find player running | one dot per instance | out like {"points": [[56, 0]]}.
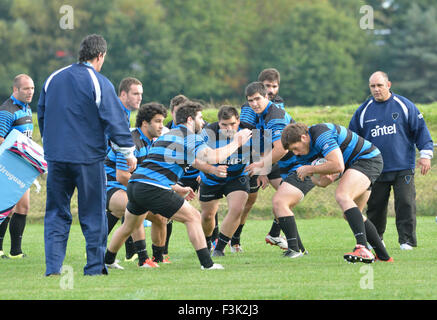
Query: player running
{"points": [[360, 163]]}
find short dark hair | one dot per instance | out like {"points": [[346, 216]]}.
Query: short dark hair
{"points": [[91, 47], [126, 83], [186, 110], [177, 100], [227, 112], [254, 88], [269, 74], [292, 133], [147, 111]]}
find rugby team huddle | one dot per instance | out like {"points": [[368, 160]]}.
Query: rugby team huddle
{"points": [[154, 169]]}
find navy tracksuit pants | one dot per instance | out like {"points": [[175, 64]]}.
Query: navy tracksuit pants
{"points": [[90, 181], [404, 190]]}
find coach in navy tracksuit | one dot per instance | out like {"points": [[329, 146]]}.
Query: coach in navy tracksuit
{"points": [[395, 125], [77, 110]]}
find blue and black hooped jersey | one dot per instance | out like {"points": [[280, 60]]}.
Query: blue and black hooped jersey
{"points": [[236, 162], [326, 137], [15, 114], [116, 161], [168, 157], [268, 127], [248, 117], [191, 173]]}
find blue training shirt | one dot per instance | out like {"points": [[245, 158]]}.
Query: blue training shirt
{"points": [[168, 157], [236, 162], [116, 161], [268, 127], [248, 117], [396, 127], [326, 137], [190, 173]]}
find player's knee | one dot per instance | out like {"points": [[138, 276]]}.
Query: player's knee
{"points": [[160, 220], [208, 215], [250, 201], [342, 198], [278, 203], [236, 208], [22, 208], [192, 216]]}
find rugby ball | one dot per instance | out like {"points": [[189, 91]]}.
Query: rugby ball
{"points": [[318, 161], [165, 130]]}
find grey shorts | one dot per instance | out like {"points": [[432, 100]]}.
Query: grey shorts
{"points": [[209, 193], [274, 174], [144, 197], [372, 167], [305, 186]]}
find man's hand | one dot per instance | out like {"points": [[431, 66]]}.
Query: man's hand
{"points": [[254, 168], [424, 164], [220, 171], [262, 181], [243, 136], [188, 193], [131, 163], [304, 171], [184, 192], [324, 180]]}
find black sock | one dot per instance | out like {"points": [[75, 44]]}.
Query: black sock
{"points": [[275, 230], [236, 237], [112, 221], [204, 258], [110, 257], [140, 247], [3, 228], [356, 223], [289, 227], [300, 244], [208, 242], [16, 229], [158, 253], [215, 232], [130, 247], [167, 239], [375, 241], [222, 242]]}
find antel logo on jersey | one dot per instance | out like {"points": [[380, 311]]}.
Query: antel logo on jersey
{"points": [[382, 131]]}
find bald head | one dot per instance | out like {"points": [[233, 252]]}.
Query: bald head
{"points": [[380, 85], [18, 79], [379, 74], [23, 88]]}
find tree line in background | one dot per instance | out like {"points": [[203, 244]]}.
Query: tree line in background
{"points": [[211, 49]]}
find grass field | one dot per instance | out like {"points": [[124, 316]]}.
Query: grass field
{"points": [[260, 273]]}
